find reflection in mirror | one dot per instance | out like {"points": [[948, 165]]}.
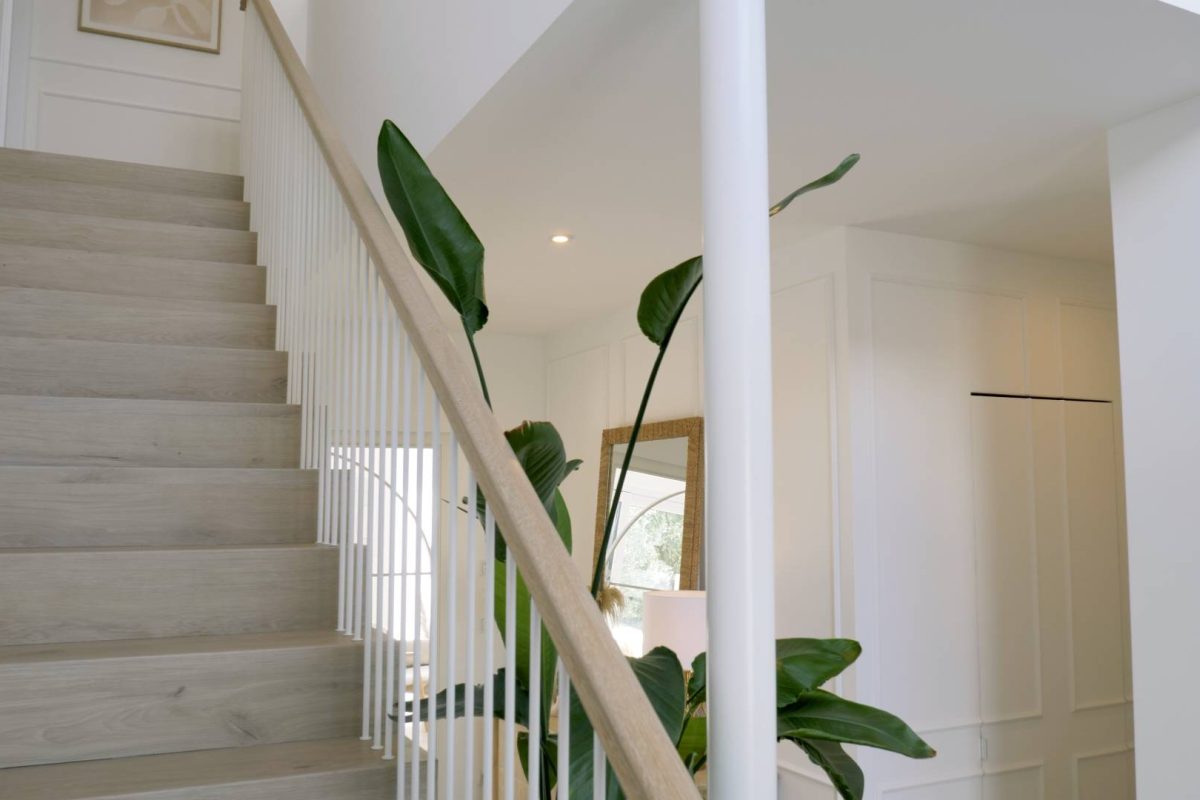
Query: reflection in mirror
{"points": [[656, 534]]}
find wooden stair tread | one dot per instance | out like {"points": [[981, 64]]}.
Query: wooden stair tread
{"points": [[76, 594], [60, 314], [49, 506], [69, 269], [118, 202], [135, 237], [53, 166], [169, 646], [139, 370], [94, 431], [135, 698], [241, 767]]}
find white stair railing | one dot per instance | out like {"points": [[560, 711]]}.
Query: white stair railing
{"points": [[400, 436]]}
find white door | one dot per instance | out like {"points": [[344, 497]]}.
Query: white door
{"points": [[1053, 631]]}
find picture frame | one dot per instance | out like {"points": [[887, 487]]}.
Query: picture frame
{"points": [[188, 24]]}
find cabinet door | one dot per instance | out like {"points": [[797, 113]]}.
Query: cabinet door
{"points": [[1052, 621]]}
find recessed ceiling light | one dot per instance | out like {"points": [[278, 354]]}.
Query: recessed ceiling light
{"points": [[1186, 5], [561, 238]]}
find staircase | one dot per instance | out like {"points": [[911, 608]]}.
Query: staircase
{"points": [[166, 620]]}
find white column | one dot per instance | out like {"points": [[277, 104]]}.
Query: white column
{"points": [[1154, 166], [737, 340]]}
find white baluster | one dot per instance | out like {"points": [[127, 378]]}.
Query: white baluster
{"points": [[535, 699], [471, 634], [564, 733], [419, 540], [489, 647], [451, 727]]}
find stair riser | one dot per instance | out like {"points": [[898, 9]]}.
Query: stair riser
{"points": [[252, 327], [96, 234], [44, 431], [361, 785], [142, 177], [118, 203], [129, 507], [92, 369], [139, 276], [84, 596], [56, 712]]}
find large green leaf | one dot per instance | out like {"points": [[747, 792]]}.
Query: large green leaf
{"points": [[802, 665], [820, 183], [549, 654], [665, 297], [438, 235], [661, 677], [693, 743], [823, 716], [539, 450], [843, 770], [441, 702]]}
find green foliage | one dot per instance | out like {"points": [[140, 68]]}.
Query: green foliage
{"points": [[438, 235], [825, 716], [820, 183], [664, 299], [817, 721], [661, 677]]}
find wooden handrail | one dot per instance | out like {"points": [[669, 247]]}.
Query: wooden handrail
{"points": [[642, 755]]}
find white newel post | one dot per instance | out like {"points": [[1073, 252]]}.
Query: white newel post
{"points": [[737, 341]]}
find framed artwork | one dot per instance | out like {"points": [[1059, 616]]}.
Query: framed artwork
{"points": [[192, 24]]}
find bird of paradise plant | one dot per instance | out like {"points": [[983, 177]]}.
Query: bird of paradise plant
{"points": [[818, 721]]}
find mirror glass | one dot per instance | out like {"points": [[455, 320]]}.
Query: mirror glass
{"points": [[655, 540]]}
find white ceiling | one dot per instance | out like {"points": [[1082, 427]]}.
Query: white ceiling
{"points": [[978, 120]]}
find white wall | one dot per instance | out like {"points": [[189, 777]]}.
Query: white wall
{"points": [[931, 322], [516, 375], [595, 374], [1154, 164], [93, 95], [878, 341], [422, 64]]}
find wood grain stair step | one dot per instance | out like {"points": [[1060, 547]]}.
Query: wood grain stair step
{"points": [[122, 203], [145, 177], [136, 507], [146, 276], [80, 368], [342, 769], [71, 431], [98, 594], [54, 314], [92, 700], [131, 237]]}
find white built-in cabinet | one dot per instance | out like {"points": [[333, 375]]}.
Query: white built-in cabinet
{"points": [[988, 541], [973, 544]]}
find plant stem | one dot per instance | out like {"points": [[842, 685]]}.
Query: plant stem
{"points": [[598, 575], [478, 364]]}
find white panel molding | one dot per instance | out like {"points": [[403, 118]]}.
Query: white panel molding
{"points": [[808, 771], [958, 777], [134, 72], [1038, 709], [1072, 660], [110, 101], [1093, 755], [929, 283]]}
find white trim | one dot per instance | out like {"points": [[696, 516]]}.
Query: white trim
{"points": [[6, 22], [138, 73], [129, 104]]}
